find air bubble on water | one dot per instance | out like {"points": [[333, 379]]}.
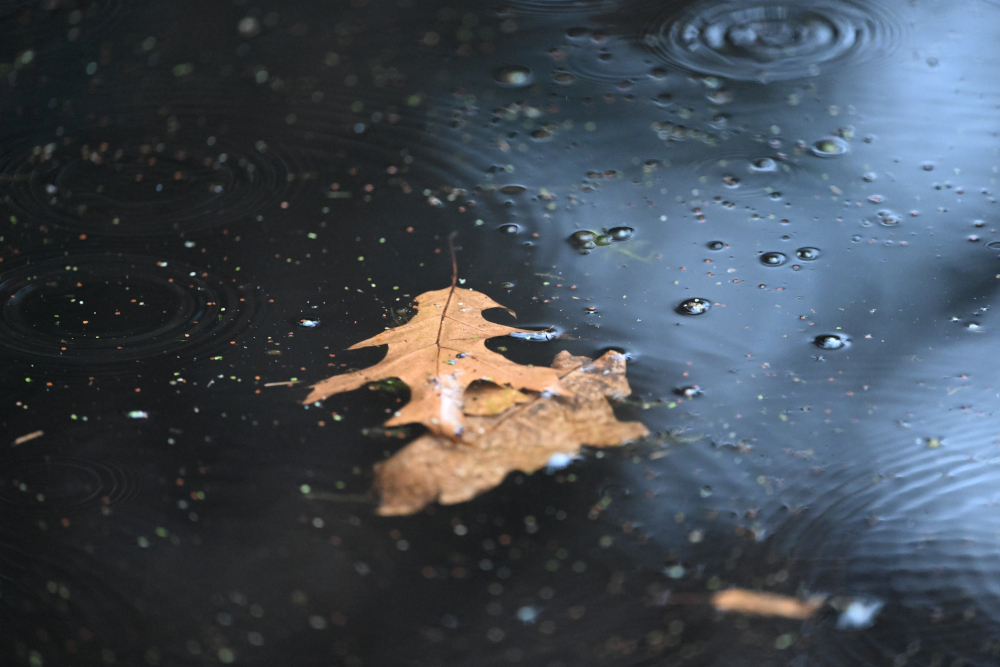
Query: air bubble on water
{"points": [[888, 217], [562, 77], [603, 240], [775, 196], [509, 228], [694, 306], [719, 97], [807, 254], [514, 76], [763, 165], [869, 176], [620, 233], [831, 341], [829, 147], [927, 166], [773, 258], [719, 121], [308, 323], [583, 239], [507, 285], [715, 245]]}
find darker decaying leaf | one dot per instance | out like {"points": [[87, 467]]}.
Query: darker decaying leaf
{"points": [[523, 437]]}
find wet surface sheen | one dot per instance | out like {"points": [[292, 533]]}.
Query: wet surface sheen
{"points": [[783, 213]]}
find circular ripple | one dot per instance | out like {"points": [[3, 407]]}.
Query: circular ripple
{"points": [[94, 309], [124, 181], [772, 40], [915, 530], [61, 485]]}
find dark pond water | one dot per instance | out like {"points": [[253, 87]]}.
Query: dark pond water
{"points": [[782, 212]]}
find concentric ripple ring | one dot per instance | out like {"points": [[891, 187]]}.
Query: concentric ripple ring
{"points": [[772, 40]]}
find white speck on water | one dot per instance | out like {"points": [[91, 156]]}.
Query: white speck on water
{"points": [[859, 614], [558, 461]]}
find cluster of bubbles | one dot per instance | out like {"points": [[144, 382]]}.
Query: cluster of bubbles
{"points": [[806, 254], [586, 240]]}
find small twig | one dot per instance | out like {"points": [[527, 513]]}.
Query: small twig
{"points": [[454, 259]]}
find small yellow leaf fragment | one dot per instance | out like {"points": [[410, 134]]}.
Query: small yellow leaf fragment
{"points": [[485, 398], [29, 436], [757, 603]]}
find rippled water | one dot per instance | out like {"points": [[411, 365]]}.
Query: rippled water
{"points": [[782, 213]]}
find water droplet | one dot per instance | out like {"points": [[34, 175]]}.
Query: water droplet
{"points": [[512, 190], [603, 239], [695, 306], [773, 258], [514, 77], [869, 177], [829, 147], [621, 233], [508, 229], [831, 341], [308, 323], [807, 254], [927, 166], [507, 285], [775, 196], [716, 245]]}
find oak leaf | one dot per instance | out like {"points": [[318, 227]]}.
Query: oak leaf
{"points": [[523, 435], [438, 353]]}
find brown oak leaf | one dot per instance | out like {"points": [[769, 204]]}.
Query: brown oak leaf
{"points": [[523, 435], [438, 353]]}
